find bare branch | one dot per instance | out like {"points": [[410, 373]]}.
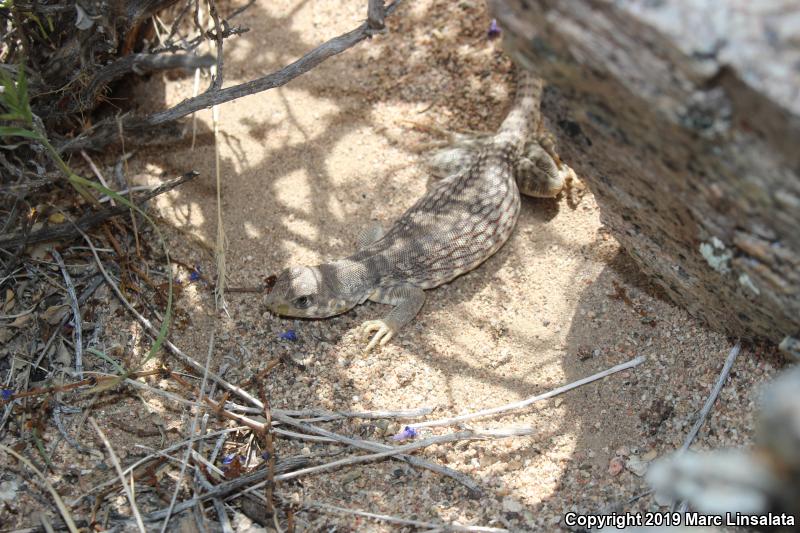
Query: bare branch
{"points": [[375, 15], [104, 133]]}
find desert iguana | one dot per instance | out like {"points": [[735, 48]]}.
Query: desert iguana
{"points": [[460, 222]]}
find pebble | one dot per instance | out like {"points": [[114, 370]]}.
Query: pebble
{"points": [[511, 505], [636, 465], [649, 456], [8, 490], [615, 466]]}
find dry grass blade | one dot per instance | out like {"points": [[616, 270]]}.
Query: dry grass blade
{"points": [[77, 330], [525, 403], [152, 330], [190, 445], [118, 467], [59, 502], [390, 451], [152, 456], [221, 244]]}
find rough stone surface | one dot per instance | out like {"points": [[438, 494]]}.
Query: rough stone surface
{"points": [[684, 119]]}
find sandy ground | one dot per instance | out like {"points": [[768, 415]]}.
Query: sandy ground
{"points": [[307, 166]]}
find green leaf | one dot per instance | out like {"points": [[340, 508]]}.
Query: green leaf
{"points": [[11, 131], [9, 96], [22, 94], [11, 116]]}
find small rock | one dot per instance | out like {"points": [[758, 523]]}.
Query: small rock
{"points": [[636, 465], [615, 466], [558, 402], [649, 456], [502, 358], [510, 505], [8, 490]]}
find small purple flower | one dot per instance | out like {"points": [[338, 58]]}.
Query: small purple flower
{"points": [[265, 455], [7, 394], [407, 433], [228, 460], [194, 275], [494, 30], [177, 281], [289, 335]]}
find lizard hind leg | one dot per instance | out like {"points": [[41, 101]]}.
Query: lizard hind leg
{"points": [[538, 174], [407, 300], [456, 156]]}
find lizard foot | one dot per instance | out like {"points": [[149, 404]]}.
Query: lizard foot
{"points": [[384, 333]]}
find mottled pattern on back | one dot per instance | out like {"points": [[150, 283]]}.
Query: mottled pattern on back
{"points": [[457, 225], [464, 219]]}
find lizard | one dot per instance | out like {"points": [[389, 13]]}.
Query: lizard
{"points": [[461, 221]]}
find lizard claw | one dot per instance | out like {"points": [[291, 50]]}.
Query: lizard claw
{"points": [[384, 333]]}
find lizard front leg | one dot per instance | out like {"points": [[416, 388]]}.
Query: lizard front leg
{"points": [[407, 300]]}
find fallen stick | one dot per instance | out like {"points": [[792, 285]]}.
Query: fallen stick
{"points": [[525, 403], [712, 398], [323, 415], [105, 132], [465, 480], [226, 488]]}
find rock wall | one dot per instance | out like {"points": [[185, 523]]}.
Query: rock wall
{"points": [[683, 117]]}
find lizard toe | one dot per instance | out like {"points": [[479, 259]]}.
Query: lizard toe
{"points": [[383, 333]]}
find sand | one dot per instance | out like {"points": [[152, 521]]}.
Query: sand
{"points": [[305, 167]]}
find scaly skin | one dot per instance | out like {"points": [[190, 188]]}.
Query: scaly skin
{"points": [[460, 222]]}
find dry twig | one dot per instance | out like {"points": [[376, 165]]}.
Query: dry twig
{"points": [[128, 490], [104, 133], [525, 403], [59, 502]]}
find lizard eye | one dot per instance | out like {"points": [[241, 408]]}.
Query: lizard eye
{"points": [[302, 303]]}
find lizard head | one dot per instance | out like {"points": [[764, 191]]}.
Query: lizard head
{"points": [[302, 291]]}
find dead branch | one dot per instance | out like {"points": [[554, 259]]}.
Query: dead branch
{"points": [[106, 132], [138, 64]]}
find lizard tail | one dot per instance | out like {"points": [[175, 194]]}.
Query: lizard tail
{"points": [[523, 118]]}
